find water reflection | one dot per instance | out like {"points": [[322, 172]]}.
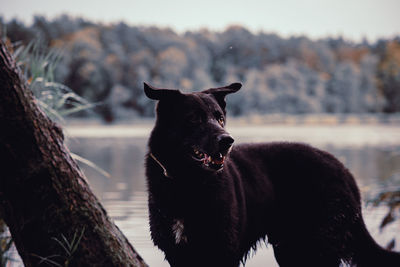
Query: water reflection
{"points": [[124, 194]]}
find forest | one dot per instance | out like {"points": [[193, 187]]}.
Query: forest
{"points": [[108, 63]]}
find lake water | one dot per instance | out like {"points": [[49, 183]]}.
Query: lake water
{"points": [[372, 153]]}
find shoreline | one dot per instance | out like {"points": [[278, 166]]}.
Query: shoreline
{"points": [[267, 119], [338, 134]]}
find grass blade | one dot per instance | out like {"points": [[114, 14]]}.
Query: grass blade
{"points": [[61, 244], [90, 164]]}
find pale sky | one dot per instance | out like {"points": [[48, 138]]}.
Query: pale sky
{"points": [[353, 19]]}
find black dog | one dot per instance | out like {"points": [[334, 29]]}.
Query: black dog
{"points": [[210, 202]]}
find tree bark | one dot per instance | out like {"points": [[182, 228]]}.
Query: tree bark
{"points": [[44, 196]]}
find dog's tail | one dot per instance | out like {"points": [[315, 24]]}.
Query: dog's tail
{"points": [[367, 253]]}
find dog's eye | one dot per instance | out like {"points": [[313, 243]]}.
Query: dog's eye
{"points": [[221, 121]]}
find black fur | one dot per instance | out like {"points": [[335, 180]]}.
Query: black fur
{"points": [[213, 211]]}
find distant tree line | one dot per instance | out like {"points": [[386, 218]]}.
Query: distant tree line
{"points": [[108, 64]]}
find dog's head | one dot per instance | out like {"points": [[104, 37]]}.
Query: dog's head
{"points": [[190, 128]]}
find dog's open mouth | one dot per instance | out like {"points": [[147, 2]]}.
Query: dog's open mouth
{"points": [[212, 162]]}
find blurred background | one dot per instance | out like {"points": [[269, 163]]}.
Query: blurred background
{"points": [[326, 73]]}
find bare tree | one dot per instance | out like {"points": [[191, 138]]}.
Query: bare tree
{"points": [[52, 214]]}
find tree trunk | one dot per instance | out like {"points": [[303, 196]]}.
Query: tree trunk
{"points": [[44, 197]]}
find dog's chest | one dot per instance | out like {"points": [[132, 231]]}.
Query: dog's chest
{"points": [[178, 231]]}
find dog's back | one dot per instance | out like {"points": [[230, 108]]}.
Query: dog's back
{"points": [[304, 199]]}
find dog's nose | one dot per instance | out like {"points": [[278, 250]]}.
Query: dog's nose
{"points": [[225, 141]]}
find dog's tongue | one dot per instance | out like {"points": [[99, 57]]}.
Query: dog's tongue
{"points": [[219, 161]]}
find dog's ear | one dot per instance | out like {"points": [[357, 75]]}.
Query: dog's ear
{"points": [[158, 93], [220, 92]]}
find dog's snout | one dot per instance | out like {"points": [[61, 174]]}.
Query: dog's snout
{"points": [[225, 141]]}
